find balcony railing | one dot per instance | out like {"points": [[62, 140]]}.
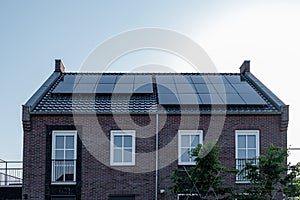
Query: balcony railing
{"points": [[11, 173], [63, 171], [241, 177]]}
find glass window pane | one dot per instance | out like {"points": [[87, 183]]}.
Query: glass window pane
{"points": [[117, 155], [59, 154], [195, 140], [70, 154], [241, 141], [185, 156], [70, 142], [252, 153], [128, 155], [127, 141], [251, 141], [185, 141], [59, 143], [118, 141], [242, 154]]}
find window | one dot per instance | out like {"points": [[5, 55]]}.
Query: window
{"points": [[122, 148], [247, 150], [64, 146], [188, 140]]}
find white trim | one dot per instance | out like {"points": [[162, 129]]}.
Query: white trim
{"points": [[63, 133], [122, 133], [189, 133]]}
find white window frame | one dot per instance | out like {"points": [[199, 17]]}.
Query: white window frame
{"points": [[246, 132], [188, 132], [63, 133], [122, 133]]}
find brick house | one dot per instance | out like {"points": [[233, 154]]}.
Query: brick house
{"points": [[120, 136]]}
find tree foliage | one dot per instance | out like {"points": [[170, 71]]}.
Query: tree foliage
{"points": [[270, 176], [205, 180]]}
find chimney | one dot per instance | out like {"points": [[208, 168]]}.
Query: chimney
{"points": [[59, 66], [245, 67]]}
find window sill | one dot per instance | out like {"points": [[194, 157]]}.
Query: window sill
{"points": [[242, 182], [122, 164], [64, 183], [189, 164]]}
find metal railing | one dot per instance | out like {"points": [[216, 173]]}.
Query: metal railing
{"points": [[63, 170], [240, 165], [11, 173]]}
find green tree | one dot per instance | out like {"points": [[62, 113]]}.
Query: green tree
{"points": [[271, 176], [205, 180]]}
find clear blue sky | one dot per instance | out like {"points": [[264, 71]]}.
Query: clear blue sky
{"points": [[34, 33]]}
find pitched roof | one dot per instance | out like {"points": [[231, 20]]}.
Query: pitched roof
{"points": [[104, 93]]}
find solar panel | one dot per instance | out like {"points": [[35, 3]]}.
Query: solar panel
{"points": [[216, 79], [204, 88], [182, 79], [224, 88], [142, 79], [64, 88], [164, 79], [84, 88], [235, 79], [71, 78], [232, 99], [143, 88], [185, 89], [108, 79], [89, 79], [198, 79], [211, 99], [125, 79], [189, 99], [123, 88], [253, 99], [168, 99], [166, 88], [244, 88], [105, 88]]}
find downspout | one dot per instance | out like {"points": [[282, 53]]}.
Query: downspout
{"points": [[156, 156]]}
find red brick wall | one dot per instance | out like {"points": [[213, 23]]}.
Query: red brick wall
{"points": [[99, 180]]}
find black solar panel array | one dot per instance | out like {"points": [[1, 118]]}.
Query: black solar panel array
{"points": [[171, 89], [206, 90], [106, 84]]}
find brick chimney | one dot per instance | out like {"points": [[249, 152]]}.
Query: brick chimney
{"points": [[59, 66], [245, 67]]}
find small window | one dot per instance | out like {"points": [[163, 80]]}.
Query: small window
{"points": [[247, 150], [188, 141], [122, 148], [64, 154]]}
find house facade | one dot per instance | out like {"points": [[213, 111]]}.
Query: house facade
{"points": [[120, 136]]}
